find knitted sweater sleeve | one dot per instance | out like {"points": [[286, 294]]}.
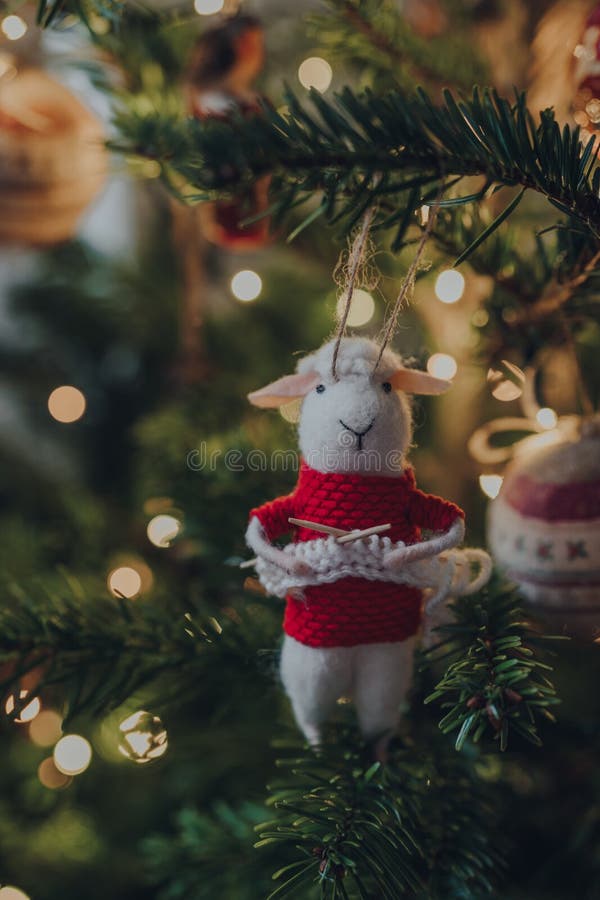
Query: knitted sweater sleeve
{"points": [[273, 516], [431, 512]]}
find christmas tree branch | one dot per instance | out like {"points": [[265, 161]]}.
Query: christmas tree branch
{"points": [[100, 649], [496, 682], [375, 34], [355, 828], [339, 146]]}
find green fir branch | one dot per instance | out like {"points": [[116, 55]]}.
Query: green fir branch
{"points": [[497, 682], [375, 36], [337, 147], [352, 828], [99, 650]]}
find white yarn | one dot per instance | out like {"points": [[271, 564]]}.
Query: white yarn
{"points": [[326, 561]]}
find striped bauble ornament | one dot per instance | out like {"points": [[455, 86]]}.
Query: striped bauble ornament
{"points": [[544, 526]]}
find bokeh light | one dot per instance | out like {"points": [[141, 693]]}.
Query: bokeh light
{"points": [[208, 7], [14, 27], [162, 530], [442, 365], [246, 285], [22, 711], [66, 404], [46, 728], [315, 72], [72, 754], [362, 307], [449, 286], [490, 485], [546, 417], [50, 777], [143, 737], [125, 581]]}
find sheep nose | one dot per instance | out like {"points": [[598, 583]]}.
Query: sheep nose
{"points": [[358, 433]]}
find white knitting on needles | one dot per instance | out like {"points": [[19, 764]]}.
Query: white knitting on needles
{"points": [[362, 554]]}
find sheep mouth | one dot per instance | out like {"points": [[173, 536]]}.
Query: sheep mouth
{"points": [[359, 435]]}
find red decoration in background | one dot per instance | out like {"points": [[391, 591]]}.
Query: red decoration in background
{"points": [[586, 103], [225, 63]]}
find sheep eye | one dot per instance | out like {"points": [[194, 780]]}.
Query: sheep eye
{"points": [[386, 386], [320, 388]]}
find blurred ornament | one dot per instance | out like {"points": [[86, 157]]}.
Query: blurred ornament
{"points": [[225, 63], [52, 159], [143, 737], [586, 73], [560, 58], [427, 17], [544, 526]]}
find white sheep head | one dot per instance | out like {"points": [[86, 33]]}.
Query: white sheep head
{"points": [[358, 420]]}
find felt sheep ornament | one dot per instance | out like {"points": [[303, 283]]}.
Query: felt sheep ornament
{"points": [[353, 577]]}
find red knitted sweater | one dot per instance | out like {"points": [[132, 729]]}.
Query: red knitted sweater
{"points": [[353, 610]]}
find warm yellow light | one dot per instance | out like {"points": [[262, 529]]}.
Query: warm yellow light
{"points": [[125, 581], [72, 755], [66, 404], [449, 286], [14, 27], [50, 777], [362, 307], [291, 411], [507, 390], [442, 365], [315, 72], [490, 485], [144, 737], [246, 285], [46, 728], [208, 7], [546, 417], [28, 711], [162, 530], [12, 893]]}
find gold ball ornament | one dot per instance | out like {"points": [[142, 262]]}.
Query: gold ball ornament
{"points": [[544, 525], [52, 159], [143, 737]]}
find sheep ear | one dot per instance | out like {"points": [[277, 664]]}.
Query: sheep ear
{"points": [[284, 390], [414, 382]]}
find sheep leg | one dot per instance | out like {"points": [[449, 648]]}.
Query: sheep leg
{"points": [[382, 679], [314, 679]]}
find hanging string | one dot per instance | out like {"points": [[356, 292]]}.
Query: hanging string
{"points": [[350, 271], [407, 287]]}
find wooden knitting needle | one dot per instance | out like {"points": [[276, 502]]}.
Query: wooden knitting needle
{"points": [[366, 532], [315, 526], [343, 537]]}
